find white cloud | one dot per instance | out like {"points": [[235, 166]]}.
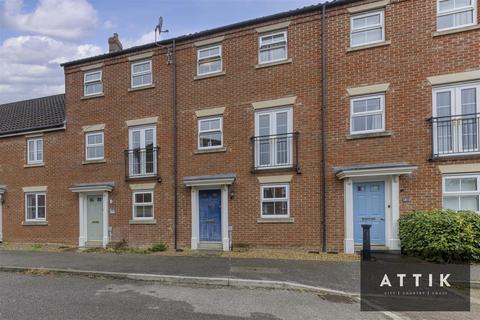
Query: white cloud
{"points": [[109, 24], [148, 37], [62, 19], [30, 65]]}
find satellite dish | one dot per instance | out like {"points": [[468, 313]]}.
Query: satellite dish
{"points": [[159, 25]]}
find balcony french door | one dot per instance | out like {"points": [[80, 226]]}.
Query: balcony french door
{"points": [[273, 141], [456, 121], [142, 158]]}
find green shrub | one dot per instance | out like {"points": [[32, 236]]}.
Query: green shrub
{"points": [[158, 247], [441, 235]]}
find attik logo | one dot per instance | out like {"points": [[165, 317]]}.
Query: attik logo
{"points": [[401, 277]]}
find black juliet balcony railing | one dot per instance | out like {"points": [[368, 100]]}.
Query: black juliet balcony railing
{"points": [[141, 163], [278, 151], [455, 135]]}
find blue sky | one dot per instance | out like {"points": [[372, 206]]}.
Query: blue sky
{"points": [[37, 35]]}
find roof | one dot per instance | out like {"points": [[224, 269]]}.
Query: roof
{"points": [[32, 115], [217, 179], [378, 169], [95, 186], [285, 14]]}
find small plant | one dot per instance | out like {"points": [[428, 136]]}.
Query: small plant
{"points": [[158, 247], [36, 246]]}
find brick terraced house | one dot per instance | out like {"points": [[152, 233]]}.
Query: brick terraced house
{"points": [[285, 131]]}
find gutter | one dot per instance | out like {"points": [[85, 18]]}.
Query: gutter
{"points": [[324, 123], [33, 131]]}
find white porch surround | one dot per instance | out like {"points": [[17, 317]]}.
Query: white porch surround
{"points": [[390, 175], [2, 192], [198, 183], [83, 191]]}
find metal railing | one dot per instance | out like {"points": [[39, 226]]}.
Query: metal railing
{"points": [[278, 151], [141, 163], [455, 135]]}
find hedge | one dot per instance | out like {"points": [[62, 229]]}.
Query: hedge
{"points": [[441, 235]]}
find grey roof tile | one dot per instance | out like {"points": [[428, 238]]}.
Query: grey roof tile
{"points": [[34, 114]]}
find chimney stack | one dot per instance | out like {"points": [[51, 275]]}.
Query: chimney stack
{"points": [[114, 43]]}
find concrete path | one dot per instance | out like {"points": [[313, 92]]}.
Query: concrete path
{"points": [[342, 276]]}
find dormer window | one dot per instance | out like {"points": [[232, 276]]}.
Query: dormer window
{"points": [[92, 82]]}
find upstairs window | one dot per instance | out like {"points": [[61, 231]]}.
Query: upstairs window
{"points": [[210, 133], [35, 206], [94, 146], [367, 28], [272, 47], [93, 83], [367, 114], [35, 151], [209, 60], [141, 74], [275, 201], [453, 14]]}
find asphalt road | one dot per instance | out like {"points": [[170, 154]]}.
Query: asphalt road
{"points": [[60, 297], [42, 297]]}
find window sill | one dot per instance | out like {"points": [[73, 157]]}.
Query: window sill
{"points": [[200, 151], [34, 223], [369, 135], [154, 221], [85, 162], [150, 86], [275, 220], [369, 46], [271, 64], [34, 165], [451, 31], [209, 75], [92, 96], [455, 157]]}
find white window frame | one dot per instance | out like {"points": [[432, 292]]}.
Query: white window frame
{"points": [[271, 34], [85, 82], [141, 73], [273, 155], [455, 105], [473, 8], [200, 120], [209, 58], [363, 15], [142, 129], [460, 193], [94, 145], [367, 113], [36, 160], [36, 194], [287, 198], [143, 204]]}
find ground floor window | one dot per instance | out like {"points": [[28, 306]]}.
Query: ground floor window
{"points": [[461, 192], [143, 205], [275, 201], [35, 206]]}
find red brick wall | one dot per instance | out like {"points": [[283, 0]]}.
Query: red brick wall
{"points": [[413, 55]]}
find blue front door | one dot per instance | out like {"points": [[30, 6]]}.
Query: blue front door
{"points": [[369, 208], [210, 205]]}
